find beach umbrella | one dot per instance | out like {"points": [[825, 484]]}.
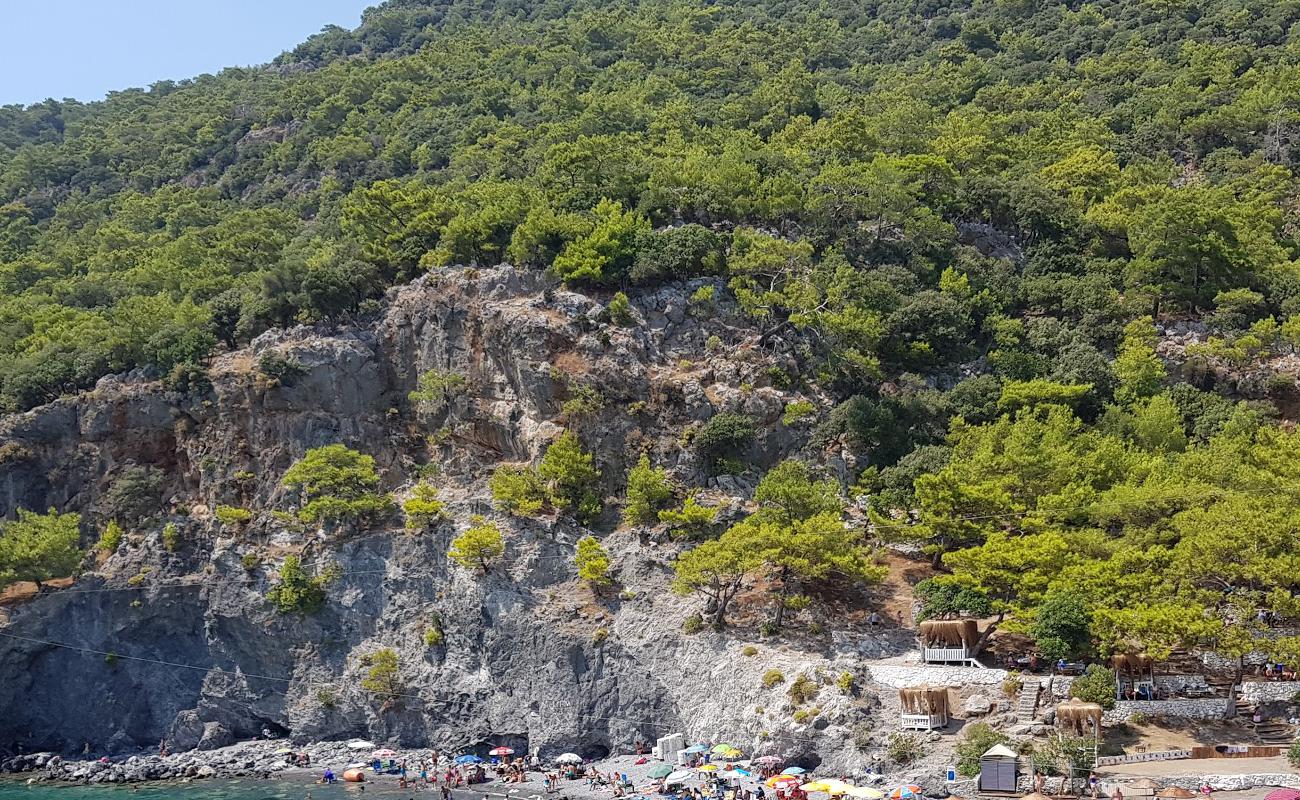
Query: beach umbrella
{"points": [[908, 792], [679, 776], [828, 786], [284, 751], [360, 745], [782, 781], [468, 758], [708, 768], [501, 751], [1283, 794], [865, 793], [696, 748], [568, 758], [661, 771], [769, 760], [385, 753], [725, 748], [1179, 793], [793, 771]]}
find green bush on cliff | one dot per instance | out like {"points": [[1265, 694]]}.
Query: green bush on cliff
{"points": [[648, 491], [111, 538], [517, 490], [38, 547], [297, 592], [423, 508], [570, 476], [337, 483], [383, 678], [480, 545], [592, 561]]}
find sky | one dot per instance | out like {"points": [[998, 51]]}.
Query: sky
{"points": [[86, 48]]}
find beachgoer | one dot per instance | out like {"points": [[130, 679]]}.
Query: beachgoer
{"points": [[874, 619]]}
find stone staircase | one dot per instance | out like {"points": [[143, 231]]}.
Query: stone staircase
{"points": [[1027, 700], [1271, 731]]}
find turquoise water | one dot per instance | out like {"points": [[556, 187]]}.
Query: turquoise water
{"points": [[285, 788]]}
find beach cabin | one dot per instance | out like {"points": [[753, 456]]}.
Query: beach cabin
{"points": [[1135, 677], [949, 641], [667, 748], [923, 708], [998, 769]]}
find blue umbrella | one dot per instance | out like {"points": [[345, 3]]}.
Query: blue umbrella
{"points": [[469, 759], [696, 748], [793, 771]]}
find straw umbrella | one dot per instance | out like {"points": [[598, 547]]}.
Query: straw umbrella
{"points": [[1175, 793]]}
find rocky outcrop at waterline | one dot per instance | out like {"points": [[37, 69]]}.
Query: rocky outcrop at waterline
{"points": [[177, 641]]}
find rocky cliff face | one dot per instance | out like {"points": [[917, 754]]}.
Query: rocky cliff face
{"points": [[179, 642]]}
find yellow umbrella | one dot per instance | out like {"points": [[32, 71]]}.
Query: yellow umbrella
{"points": [[866, 793], [709, 768], [828, 786]]}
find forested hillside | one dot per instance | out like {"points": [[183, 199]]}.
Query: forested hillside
{"points": [[1043, 255]]}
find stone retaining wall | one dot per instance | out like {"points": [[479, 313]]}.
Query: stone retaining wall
{"points": [[900, 677], [1212, 708], [1265, 692]]}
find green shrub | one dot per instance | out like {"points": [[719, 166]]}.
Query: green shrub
{"points": [[863, 734], [433, 635], [171, 537], [592, 561], [584, 401], [383, 678], [1293, 753], [337, 483], [703, 296], [620, 310], [1012, 685], [280, 368], [1095, 685], [846, 682], [803, 689], [772, 677], [423, 508], [297, 592], [647, 492], [726, 435], [111, 538], [749, 650], [327, 698], [135, 496], [570, 476], [904, 748], [436, 388], [480, 545], [517, 490], [691, 521], [250, 561], [798, 411], [693, 624], [599, 636], [977, 740], [229, 515]]}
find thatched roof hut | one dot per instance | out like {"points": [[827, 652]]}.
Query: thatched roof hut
{"points": [[1130, 664], [924, 700], [1075, 715], [950, 632], [1175, 793]]}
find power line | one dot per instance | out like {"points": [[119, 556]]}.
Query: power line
{"points": [[289, 681]]}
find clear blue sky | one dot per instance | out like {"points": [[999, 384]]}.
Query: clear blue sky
{"points": [[86, 48]]}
